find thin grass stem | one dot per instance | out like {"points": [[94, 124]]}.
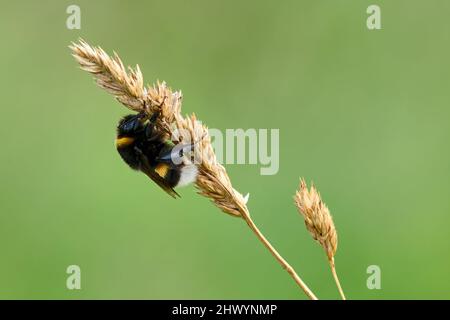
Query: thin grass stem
{"points": [[246, 216], [336, 278]]}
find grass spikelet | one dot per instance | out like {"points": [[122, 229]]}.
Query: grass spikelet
{"points": [[319, 223], [111, 75]]}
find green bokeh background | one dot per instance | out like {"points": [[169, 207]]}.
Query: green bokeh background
{"points": [[364, 114]]}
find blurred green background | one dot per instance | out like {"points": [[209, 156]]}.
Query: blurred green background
{"points": [[364, 114]]}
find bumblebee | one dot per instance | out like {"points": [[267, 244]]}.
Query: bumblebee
{"points": [[145, 148]]}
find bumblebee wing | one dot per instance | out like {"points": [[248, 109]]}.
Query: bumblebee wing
{"points": [[145, 168]]}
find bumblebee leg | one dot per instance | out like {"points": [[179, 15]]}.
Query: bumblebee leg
{"points": [[148, 131], [149, 127], [144, 164], [164, 100], [154, 103], [151, 134], [138, 151], [154, 116]]}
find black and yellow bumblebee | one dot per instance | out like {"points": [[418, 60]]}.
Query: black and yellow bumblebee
{"points": [[147, 149]]}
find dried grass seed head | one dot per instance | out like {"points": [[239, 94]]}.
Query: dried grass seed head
{"points": [[317, 218], [111, 75]]}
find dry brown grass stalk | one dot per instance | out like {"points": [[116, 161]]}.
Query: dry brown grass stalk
{"points": [[319, 223], [213, 181]]}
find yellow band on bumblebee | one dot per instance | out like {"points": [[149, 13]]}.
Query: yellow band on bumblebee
{"points": [[162, 169], [124, 141]]}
